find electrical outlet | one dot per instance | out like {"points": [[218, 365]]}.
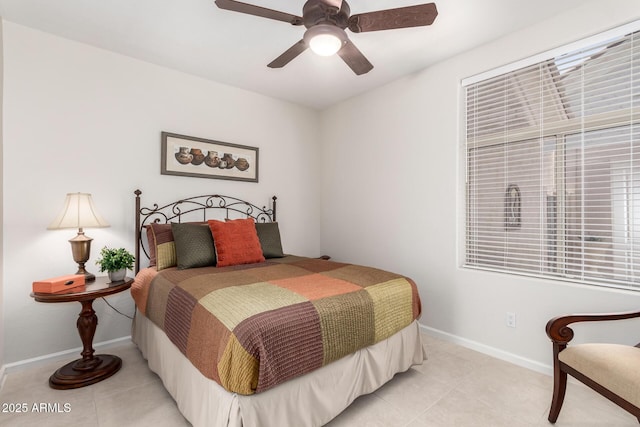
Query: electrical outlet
{"points": [[511, 319]]}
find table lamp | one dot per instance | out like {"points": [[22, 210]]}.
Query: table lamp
{"points": [[79, 212]]}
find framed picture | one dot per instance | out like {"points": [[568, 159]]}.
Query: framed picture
{"points": [[204, 158], [512, 207]]}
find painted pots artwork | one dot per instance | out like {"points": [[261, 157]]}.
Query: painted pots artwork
{"points": [[212, 160], [242, 164], [229, 163], [184, 156], [198, 156], [206, 158]]}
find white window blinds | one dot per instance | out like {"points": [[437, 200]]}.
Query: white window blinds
{"points": [[553, 167]]}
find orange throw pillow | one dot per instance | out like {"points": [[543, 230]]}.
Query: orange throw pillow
{"points": [[236, 242]]}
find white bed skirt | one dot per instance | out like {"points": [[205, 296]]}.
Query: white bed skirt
{"points": [[311, 400]]}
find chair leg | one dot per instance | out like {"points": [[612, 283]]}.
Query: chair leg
{"points": [[559, 389]]}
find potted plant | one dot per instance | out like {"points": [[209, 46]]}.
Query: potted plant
{"points": [[115, 262]]}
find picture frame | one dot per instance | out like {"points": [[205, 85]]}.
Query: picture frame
{"points": [[184, 155], [512, 207]]}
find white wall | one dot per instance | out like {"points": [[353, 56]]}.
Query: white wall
{"points": [[83, 119], [393, 188]]}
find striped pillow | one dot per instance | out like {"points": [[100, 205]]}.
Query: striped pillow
{"points": [[163, 249]]}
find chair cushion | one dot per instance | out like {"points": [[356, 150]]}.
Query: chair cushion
{"points": [[614, 366]]}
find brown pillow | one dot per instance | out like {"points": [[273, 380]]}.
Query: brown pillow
{"points": [[194, 245], [236, 242], [269, 236], [151, 245]]}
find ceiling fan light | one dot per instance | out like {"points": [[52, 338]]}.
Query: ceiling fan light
{"points": [[325, 44], [324, 39]]}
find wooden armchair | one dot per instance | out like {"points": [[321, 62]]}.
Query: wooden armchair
{"points": [[613, 370]]}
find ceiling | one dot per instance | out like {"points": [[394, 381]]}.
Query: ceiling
{"points": [[196, 37]]}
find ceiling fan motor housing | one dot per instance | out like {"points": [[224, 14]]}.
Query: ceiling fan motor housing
{"points": [[317, 12]]}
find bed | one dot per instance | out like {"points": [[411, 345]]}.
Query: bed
{"points": [[243, 334]]}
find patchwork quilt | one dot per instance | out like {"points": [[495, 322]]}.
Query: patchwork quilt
{"points": [[251, 327]]}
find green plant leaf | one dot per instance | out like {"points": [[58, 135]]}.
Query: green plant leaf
{"points": [[115, 259]]}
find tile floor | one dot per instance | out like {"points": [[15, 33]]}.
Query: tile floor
{"points": [[455, 387]]}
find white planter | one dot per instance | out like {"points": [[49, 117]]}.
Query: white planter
{"points": [[117, 276]]}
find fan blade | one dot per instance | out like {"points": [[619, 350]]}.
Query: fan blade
{"points": [[354, 58], [402, 17], [288, 55], [263, 12]]}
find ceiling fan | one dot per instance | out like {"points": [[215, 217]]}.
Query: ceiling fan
{"points": [[326, 21]]}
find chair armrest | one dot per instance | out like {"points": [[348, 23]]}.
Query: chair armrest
{"points": [[560, 333]]}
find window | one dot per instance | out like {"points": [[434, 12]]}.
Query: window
{"points": [[553, 167]]}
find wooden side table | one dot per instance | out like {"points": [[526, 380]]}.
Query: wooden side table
{"points": [[91, 368]]}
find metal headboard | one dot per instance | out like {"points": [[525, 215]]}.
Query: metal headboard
{"points": [[175, 211]]}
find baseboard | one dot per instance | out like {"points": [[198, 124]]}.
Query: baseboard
{"points": [[490, 351], [40, 360]]}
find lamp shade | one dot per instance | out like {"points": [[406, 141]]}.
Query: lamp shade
{"points": [[78, 212]]}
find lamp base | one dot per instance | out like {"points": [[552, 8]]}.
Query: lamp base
{"points": [[81, 249], [88, 277]]}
